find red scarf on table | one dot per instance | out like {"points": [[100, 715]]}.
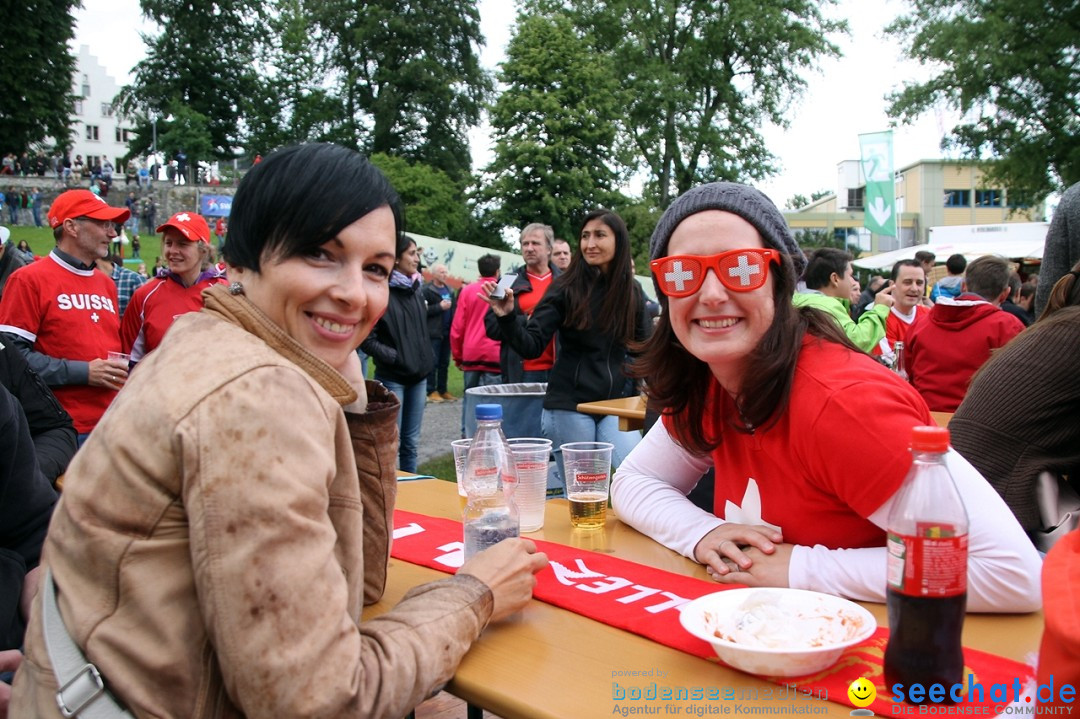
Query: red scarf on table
{"points": [[646, 601]]}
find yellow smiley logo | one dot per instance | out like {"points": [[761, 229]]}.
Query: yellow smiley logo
{"points": [[862, 692]]}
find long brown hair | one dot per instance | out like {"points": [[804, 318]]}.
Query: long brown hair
{"points": [[677, 381], [618, 313], [1065, 293]]}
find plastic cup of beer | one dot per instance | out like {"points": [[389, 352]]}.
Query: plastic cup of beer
{"points": [[120, 357], [531, 462], [587, 466], [461, 450]]}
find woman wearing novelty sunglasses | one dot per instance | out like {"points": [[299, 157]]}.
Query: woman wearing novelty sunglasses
{"points": [[808, 436], [598, 309]]}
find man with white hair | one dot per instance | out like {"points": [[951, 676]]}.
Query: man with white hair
{"points": [[63, 314], [440, 312]]}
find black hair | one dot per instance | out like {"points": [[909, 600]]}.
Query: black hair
{"points": [[618, 312], [905, 263], [822, 264], [488, 265], [956, 264], [403, 244], [299, 198]]}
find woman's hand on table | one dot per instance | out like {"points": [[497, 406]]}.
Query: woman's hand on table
{"points": [[724, 549], [765, 569], [502, 306], [509, 570]]}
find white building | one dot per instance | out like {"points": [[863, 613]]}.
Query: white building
{"points": [[98, 131]]}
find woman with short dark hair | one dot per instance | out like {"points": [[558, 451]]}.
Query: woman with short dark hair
{"points": [[223, 526]]}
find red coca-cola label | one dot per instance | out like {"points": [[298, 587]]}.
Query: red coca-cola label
{"points": [[930, 564]]}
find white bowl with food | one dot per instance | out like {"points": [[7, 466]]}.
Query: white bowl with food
{"points": [[777, 632]]}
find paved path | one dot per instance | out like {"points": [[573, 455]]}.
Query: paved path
{"points": [[442, 425]]}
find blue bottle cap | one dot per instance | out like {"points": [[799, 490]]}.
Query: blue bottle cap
{"points": [[488, 411]]}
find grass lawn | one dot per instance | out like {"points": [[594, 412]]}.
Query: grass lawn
{"points": [[41, 242], [443, 465]]}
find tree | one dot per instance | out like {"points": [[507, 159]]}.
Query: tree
{"points": [[294, 102], [554, 128], [36, 74], [640, 217], [700, 78], [431, 199], [799, 201], [186, 130], [1010, 67], [408, 76], [202, 59]]}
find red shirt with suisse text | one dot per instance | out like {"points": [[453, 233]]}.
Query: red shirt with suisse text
{"points": [[69, 313]]}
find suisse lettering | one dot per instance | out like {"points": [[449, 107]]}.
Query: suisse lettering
{"points": [[85, 301]]}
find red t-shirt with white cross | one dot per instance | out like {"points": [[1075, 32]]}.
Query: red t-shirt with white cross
{"points": [[69, 313], [836, 453]]}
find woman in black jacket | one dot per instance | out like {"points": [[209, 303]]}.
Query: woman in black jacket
{"points": [[401, 350], [598, 310]]}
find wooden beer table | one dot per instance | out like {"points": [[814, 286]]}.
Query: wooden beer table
{"points": [[629, 410], [548, 662]]}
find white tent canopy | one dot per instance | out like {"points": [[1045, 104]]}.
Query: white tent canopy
{"points": [[1019, 241]]}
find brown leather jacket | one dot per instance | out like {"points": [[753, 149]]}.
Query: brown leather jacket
{"points": [[221, 529]]}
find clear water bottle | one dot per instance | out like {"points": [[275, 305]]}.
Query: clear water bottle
{"points": [[926, 591], [490, 515], [898, 361]]}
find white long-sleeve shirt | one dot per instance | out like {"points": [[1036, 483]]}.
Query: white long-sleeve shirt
{"points": [[649, 493]]}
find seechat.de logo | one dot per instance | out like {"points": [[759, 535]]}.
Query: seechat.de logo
{"points": [[976, 692]]}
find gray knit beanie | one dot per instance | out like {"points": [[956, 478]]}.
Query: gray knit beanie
{"points": [[741, 200]]}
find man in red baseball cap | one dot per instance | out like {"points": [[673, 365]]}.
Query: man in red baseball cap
{"points": [[185, 243], [62, 312]]}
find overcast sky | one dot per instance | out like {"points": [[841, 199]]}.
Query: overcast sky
{"points": [[844, 99]]}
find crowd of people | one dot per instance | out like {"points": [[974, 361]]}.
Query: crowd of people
{"points": [[181, 552]]}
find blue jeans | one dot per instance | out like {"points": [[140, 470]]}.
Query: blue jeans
{"points": [[363, 361], [476, 378], [410, 416], [440, 350], [562, 426], [535, 375]]}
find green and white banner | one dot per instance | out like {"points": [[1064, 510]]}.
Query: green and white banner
{"points": [[877, 166]]}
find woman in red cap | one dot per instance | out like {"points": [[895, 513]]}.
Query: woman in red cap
{"points": [[157, 303]]}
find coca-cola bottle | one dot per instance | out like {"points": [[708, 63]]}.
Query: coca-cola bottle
{"points": [[926, 592]]}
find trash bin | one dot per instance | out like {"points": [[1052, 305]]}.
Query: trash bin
{"points": [[522, 403]]}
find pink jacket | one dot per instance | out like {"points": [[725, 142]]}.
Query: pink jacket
{"points": [[470, 346]]}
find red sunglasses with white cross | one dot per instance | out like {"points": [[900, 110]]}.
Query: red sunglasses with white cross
{"points": [[738, 270]]}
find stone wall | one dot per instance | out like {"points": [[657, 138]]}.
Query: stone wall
{"points": [[170, 198]]}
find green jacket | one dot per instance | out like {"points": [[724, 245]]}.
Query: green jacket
{"points": [[865, 333]]}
